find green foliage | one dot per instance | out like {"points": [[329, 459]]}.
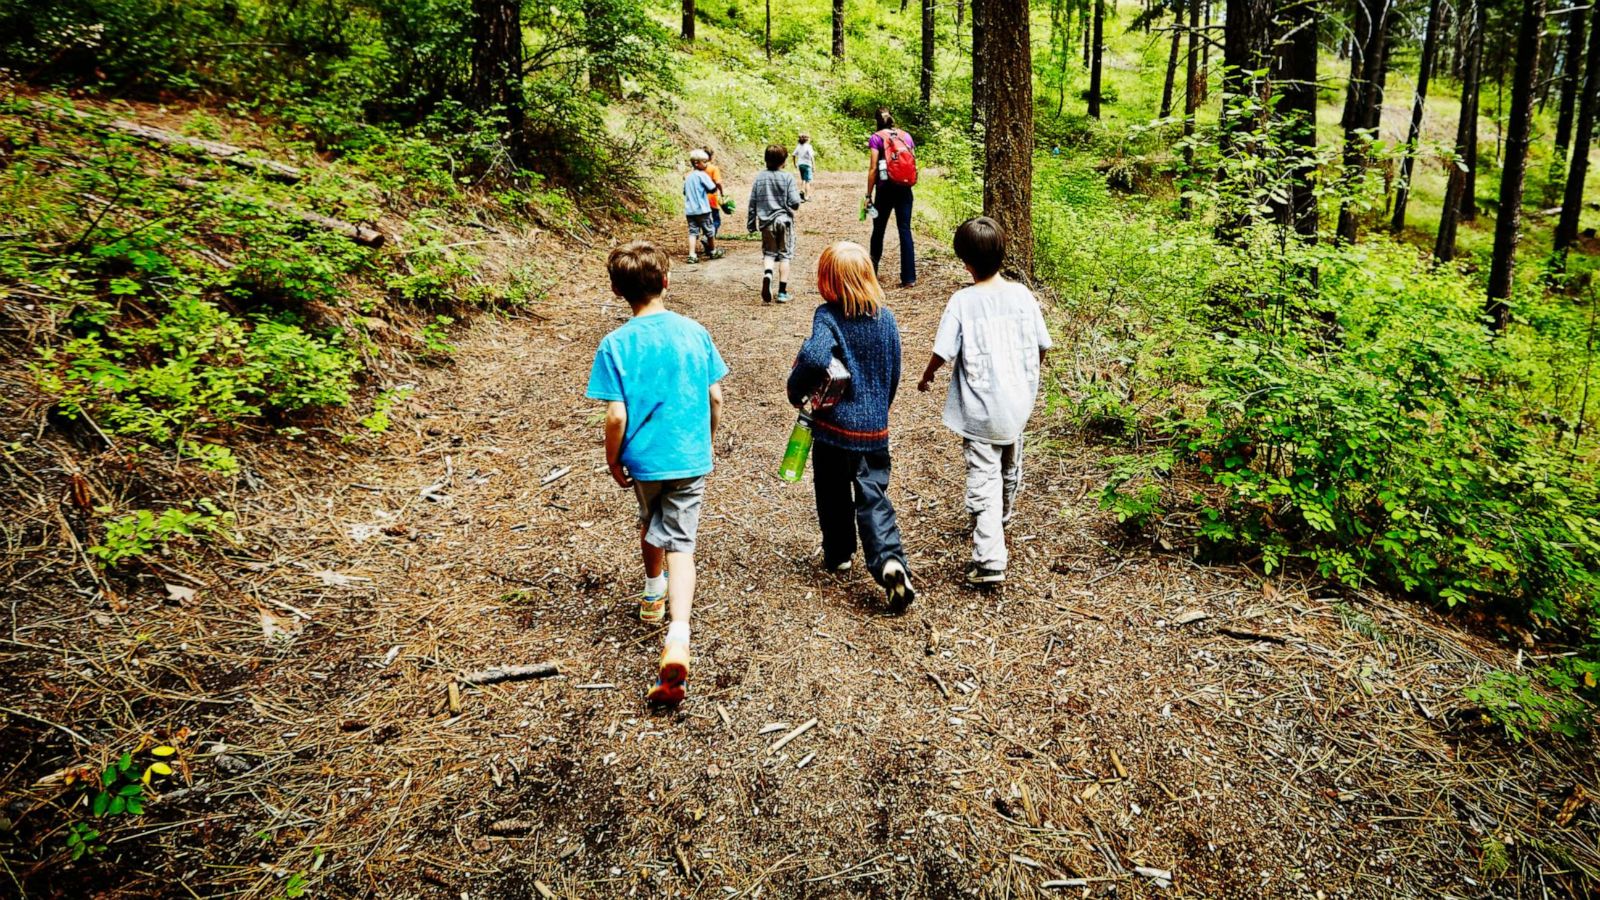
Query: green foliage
{"points": [[1133, 489], [142, 532], [1523, 710], [378, 421]]}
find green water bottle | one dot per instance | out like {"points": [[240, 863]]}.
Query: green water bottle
{"points": [[794, 456]]}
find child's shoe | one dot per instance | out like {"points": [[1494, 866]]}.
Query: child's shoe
{"points": [[783, 296], [897, 585], [692, 260], [671, 676], [653, 608], [977, 574], [766, 288], [716, 254]]}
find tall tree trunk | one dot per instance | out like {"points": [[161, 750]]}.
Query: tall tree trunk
{"points": [[769, 30], [1172, 61], [1191, 98], [1246, 49], [1455, 193], [1469, 180], [1408, 158], [1008, 140], [496, 66], [980, 65], [927, 53], [1588, 108], [1362, 96], [1096, 57], [1205, 55], [688, 20], [1295, 80], [1508, 221], [838, 29], [1571, 64], [1088, 31]]}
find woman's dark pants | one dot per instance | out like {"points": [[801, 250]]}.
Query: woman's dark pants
{"points": [[894, 198]]}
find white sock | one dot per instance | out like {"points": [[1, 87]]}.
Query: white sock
{"points": [[678, 633], [655, 587]]}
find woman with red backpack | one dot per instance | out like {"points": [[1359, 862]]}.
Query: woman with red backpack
{"points": [[891, 173]]}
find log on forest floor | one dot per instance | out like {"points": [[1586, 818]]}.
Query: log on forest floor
{"points": [[228, 153], [361, 234]]}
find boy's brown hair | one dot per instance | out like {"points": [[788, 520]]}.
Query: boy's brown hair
{"points": [[638, 271], [981, 244], [776, 154]]}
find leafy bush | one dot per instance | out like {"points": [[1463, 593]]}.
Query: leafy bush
{"points": [[142, 532]]}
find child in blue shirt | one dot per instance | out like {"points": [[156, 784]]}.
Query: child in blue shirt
{"points": [[698, 189], [659, 374], [850, 456]]}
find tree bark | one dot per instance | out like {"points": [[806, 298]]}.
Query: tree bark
{"points": [[1008, 139], [1095, 58], [1588, 108], [928, 36], [1362, 98], [1469, 181], [496, 62], [1455, 194], [1172, 61], [769, 30], [688, 20], [1508, 220], [1246, 49], [1571, 64], [1408, 154], [1191, 98], [838, 29], [1205, 54], [1295, 74]]}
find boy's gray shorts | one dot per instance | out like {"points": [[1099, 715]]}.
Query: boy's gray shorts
{"points": [[777, 240], [669, 512]]}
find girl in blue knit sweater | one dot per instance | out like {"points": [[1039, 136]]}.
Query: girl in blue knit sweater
{"points": [[850, 457]]}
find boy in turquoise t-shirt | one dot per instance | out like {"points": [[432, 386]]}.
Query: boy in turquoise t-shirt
{"points": [[659, 374]]}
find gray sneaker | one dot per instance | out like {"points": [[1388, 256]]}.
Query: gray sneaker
{"points": [[977, 574]]}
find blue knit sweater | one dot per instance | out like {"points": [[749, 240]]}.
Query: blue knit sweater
{"points": [[869, 346]]}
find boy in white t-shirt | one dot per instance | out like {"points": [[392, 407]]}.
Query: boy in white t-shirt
{"points": [[994, 337], [805, 156]]}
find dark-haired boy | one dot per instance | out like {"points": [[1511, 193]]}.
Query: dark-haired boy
{"points": [[993, 335], [774, 197], [659, 374]]}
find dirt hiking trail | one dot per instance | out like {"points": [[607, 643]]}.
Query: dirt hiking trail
{"points": [[1110, 721]]}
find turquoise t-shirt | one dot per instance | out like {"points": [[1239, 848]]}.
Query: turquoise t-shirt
{"points": [[662, 366], [697, 188]]}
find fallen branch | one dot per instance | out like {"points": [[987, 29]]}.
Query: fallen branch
{"points": [[780, 743], [233, 156], [508, 673], [361, 234], [1245, 635]]}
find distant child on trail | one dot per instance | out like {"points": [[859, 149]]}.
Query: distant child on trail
{"points": [[659, 374], [716, 197], [994, 337], [698, 187], [773, 201], [805, 157], [850, 457]]}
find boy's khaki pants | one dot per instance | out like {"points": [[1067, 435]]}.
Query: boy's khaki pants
{"points": [[994, 475]]}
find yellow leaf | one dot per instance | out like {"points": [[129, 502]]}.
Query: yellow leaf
{"points": [[163, 750], [160, 768], [146, 777], [1588, 679]]}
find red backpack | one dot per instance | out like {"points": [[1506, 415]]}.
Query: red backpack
{"points": [[902, 161]]}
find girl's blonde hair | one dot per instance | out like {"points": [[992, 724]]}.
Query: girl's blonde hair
{"points": [[845, 277]]}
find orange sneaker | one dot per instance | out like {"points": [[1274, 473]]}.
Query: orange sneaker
{"points": [[671, 676]]}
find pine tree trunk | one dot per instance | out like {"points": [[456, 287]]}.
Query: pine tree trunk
{"points": [[1455, 194], [1571, 80], [1362, 97], [1205, 55], [1088, 31], [496, 65], [1246, 49], [1588, 108], [688, 20], [1008, 140], [1408, 158], [1095, 58], [1172, 61], [927, 53], [838, 29], [1469, 182], [1295, 80], [1508, 221], [769, 30], [1191, 98]]}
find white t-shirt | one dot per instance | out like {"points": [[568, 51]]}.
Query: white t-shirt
{"points": [[804, 154], [991, 336]]}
